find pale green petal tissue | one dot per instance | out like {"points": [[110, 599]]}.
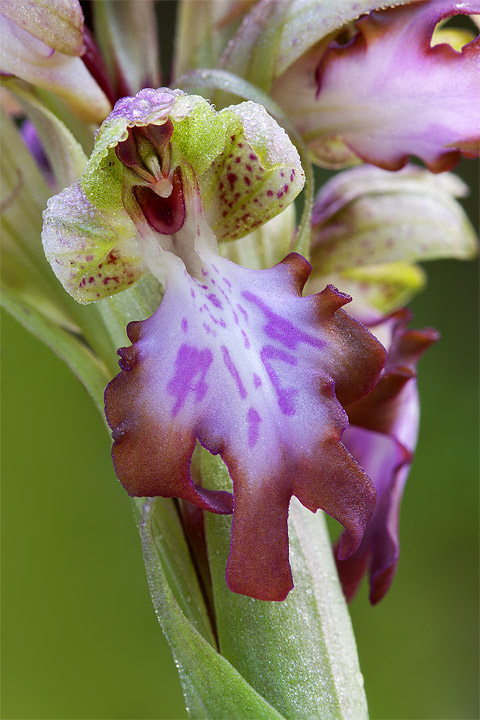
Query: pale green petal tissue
{"points": [[58, 23], [256, 176], [93, 253], [267, 245], [369, 216], [384, 287], [30, 58]]}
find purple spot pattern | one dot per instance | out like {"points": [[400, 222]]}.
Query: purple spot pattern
{"points": [[191, 366], [235, 334]]}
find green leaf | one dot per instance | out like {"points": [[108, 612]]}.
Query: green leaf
{"points": [[63, 150], [25, 272], [82, 362], [299, 654], [213, 689], [174, 556]]}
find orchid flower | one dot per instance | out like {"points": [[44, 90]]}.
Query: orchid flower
{"points": [[255, 390], [380, 90], [371, 227], [382, 436], [233, 358]]}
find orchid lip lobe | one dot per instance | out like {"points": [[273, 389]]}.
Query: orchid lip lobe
{"points": [[247, 368]]}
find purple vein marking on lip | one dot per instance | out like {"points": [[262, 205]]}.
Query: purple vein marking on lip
{"points": [[256, 380], [184, 325], [243, 311], [230, 365], [215, 301], [279, 328], [253, 419], [246, 341], [191, 366], [285, 395], [226, 296]]}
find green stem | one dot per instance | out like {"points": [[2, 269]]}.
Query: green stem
{"points": [[299, 654]]}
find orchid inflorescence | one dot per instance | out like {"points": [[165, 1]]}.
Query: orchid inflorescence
{"points": [[300, 376]]}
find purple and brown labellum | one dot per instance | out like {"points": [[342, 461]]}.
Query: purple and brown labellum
{"points": [[382, 436], [238, 360]]}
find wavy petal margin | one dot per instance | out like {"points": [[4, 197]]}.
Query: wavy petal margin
{"points": [[388, 94], [256, 373], [382, 437]]}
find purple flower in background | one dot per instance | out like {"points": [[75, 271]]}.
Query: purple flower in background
{"points": [[388, 92], [382, 436]]}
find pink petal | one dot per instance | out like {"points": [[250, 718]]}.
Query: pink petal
{"points": [[388, 94]]}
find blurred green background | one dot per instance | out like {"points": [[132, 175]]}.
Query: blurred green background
{"points": [[80, 639]]}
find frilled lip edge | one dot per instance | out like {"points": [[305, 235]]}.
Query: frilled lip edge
{"points": [[246, 394], [388, 414]]}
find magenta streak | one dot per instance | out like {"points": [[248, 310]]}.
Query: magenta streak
{"points": [[285, 396], [253, 419], [215, 301], [243, 311], [256, 380], [184, 325], [230, 365], [226, 296], [280, 329], [190, 364], [246, 341]]}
